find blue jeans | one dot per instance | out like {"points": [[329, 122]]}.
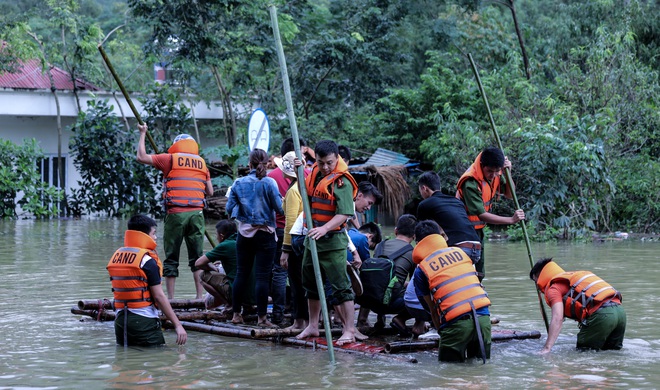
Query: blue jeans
{"points": [[396, 306], [278, 287], [257, 252], [419, 314], [473, 254]]}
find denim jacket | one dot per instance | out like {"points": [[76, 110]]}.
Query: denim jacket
{"points": [[254, 201]]}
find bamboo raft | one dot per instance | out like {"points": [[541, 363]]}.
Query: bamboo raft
{"points": [[195, 318]]}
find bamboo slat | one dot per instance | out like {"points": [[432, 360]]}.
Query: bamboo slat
{"points": [[108, 315], [94, 304]]}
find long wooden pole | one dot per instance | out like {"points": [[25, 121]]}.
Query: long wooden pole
{"points": [[176, 303], [507, 174], [137, 114], [301, 179]]}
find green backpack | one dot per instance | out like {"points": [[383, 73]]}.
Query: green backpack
{"points": [[377, 276]]}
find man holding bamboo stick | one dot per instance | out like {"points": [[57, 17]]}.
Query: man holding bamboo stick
{"points": [[187, 182], [331, 190], [478, 188]]}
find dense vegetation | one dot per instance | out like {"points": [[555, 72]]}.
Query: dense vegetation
{"points": [[574, 94]]}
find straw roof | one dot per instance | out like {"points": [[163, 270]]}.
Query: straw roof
{"points": [[391, 182]]}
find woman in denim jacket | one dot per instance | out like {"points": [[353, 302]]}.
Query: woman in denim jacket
{"points": [[253, 201]]}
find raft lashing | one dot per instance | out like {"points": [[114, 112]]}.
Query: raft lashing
{"points": [[383, 343]]}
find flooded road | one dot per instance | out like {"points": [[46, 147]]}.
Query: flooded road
{"points": [[46, 267]]}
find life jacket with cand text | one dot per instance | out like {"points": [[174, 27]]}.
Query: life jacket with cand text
{"points": [[323, 202], [185, 184], [586, 294], [129, 281], [453, 281], [488, 190]]}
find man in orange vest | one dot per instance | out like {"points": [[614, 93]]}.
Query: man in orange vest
{"points": [[331, 190], [584, 297], [135, 273], [446, 281], [187, 182], [477, 189]]}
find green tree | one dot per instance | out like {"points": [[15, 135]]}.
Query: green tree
{"points": [[113, 182], [21, 180]]}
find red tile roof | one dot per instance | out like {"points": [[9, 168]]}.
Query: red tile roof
{"points": [[30, 76]]}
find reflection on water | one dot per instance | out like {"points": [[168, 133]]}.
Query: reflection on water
{"points": [[46, 267]]}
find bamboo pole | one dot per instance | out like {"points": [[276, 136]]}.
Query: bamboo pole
{"points": [[266, 333], [419, 345], [99, 316], [410, 346], [301, 178], [137, 114], [314, 345], [109, 315], [507, 174], [212, 329], [505, 335], [94, 304]]}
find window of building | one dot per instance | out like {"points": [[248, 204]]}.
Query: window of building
{"points": [[49, 170]]}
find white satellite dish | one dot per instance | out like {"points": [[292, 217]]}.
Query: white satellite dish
{"points": [[258, 131]]}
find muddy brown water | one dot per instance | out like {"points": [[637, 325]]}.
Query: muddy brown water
{"points": [[46, 267]]}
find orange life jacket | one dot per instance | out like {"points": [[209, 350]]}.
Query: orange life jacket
{"points": [[323, 203], [129, 282], [488, 190], [185, 184], [453, 281], [586, 294]]}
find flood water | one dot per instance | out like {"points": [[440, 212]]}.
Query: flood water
{"points": [[46, 267]]}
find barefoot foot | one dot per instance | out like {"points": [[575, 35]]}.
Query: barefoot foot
{"points": [[308, 332]]}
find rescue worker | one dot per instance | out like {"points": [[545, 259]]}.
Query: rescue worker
{"points": [[135, 273], [477, 189], [584, 297], [446, 281], [331, 190], [187, 181], [449, 213]]}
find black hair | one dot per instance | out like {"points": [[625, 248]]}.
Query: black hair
{"points": [[374, 229], [259, 161], [538, 267], [425, 228], [141, 223], [429, 179], [226, 227], [287, 145], [325, 148], [344, 152], [405, 225], [492, 157], [366, 188]]}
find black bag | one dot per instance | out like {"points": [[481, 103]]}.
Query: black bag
{"points": [[377, 276]]}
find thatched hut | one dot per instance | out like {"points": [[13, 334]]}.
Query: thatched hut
{"points": [[391, 182]]}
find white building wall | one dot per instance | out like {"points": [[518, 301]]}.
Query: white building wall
{"points": [[28, 114]]}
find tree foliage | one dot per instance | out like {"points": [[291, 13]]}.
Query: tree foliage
{"points": [[580, 122], [19, 177], [113, 182]]}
